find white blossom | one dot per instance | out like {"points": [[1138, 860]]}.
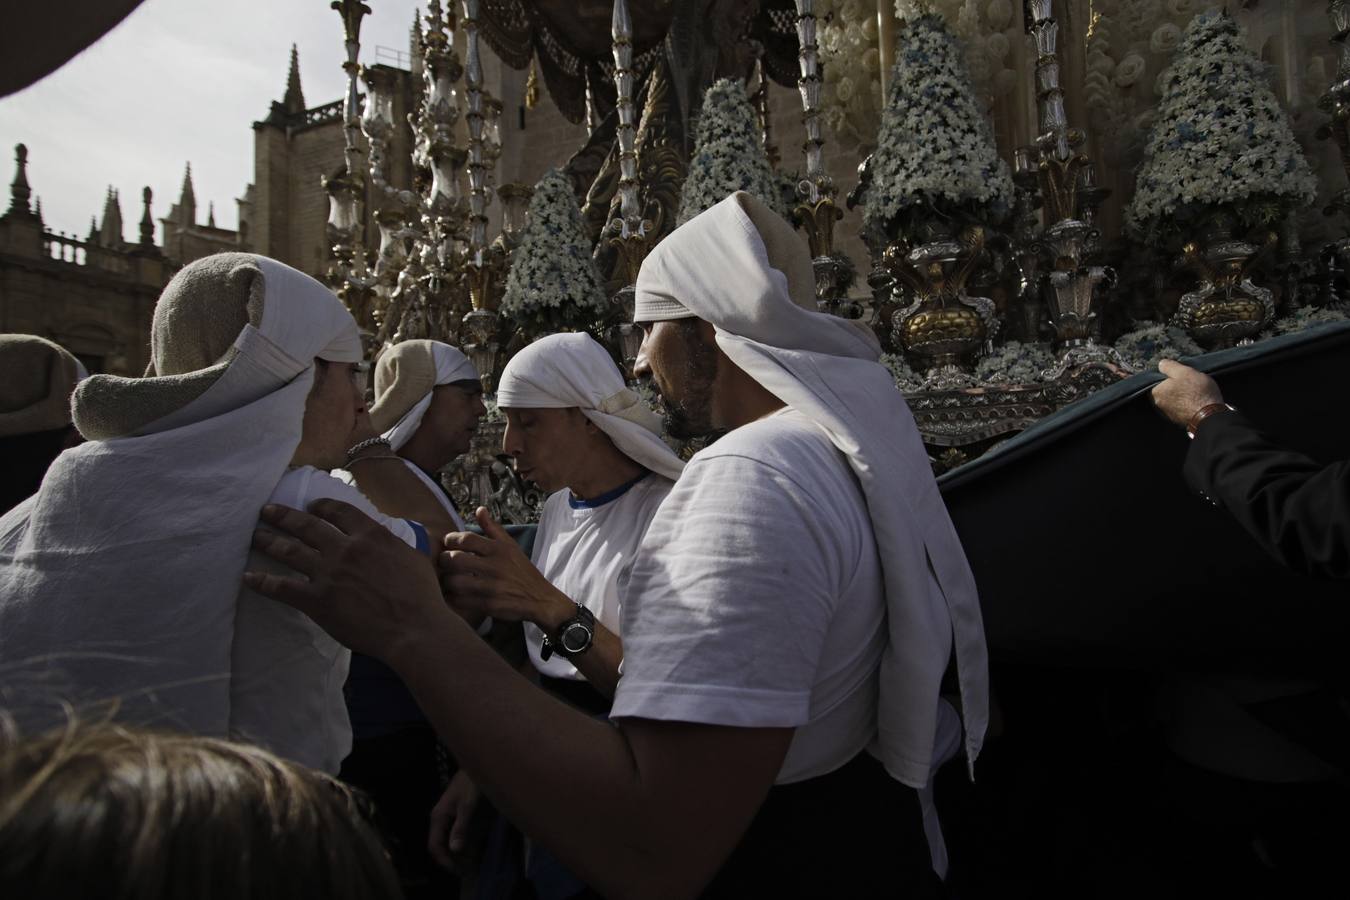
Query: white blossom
{"points": [[935, 149], [1014, 363], [728, 154], [1220, 137], [1150, 343], [553, 284]]}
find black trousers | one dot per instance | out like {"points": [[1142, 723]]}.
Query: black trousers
{"points": [[854, 833]]}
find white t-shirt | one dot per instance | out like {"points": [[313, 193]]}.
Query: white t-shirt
{"points": [[582, 548], [756, 598], [286, 673]]}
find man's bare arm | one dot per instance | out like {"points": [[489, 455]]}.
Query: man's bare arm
{"points": [[396, 491], [644, 809]]}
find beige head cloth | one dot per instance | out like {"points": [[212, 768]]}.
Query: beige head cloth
{"points": [[204, 312], [36, 379], [404, 379], [197, 318]]}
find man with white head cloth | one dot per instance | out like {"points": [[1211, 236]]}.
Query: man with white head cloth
{"points": [[119, 579], [578, 431], [787, 621]]}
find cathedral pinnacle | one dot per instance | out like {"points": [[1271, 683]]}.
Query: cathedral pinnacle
{"points": [[110, 232], [187, 200], [294, 101]]}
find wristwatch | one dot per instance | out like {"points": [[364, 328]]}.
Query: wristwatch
{"points": [[574, 636]]}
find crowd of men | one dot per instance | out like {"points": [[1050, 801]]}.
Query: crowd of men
{"points": [[728, 676]]}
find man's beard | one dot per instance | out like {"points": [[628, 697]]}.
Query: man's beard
{"points": [[691, 417]]}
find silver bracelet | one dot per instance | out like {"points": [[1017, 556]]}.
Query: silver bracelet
{"points": [[369, 442]]}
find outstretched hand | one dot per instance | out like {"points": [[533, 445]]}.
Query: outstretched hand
{"points": [[1184, 393], [489, 574], [362, 585]]}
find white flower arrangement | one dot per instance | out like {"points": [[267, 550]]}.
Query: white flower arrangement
{"points": [[1220, 138], [906, 379], [1015, 363], [553, 284], [982, 27], [1306, 317], [1150, 342], [935, 152], [494, 412], [728, 154]]}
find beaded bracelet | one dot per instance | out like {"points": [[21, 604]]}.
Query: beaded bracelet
{"points": [[369, 442]]}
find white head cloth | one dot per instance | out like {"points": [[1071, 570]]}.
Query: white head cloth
{"points": [[449, 365], [566, 370], [121, 578], [742, 268]]}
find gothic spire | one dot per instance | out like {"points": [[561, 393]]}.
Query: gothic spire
{"points": [[110, 232], [294, 101], [187, 201], [211, 214], [415, 48]]}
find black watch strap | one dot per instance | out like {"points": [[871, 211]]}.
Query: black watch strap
{"points": [[574, 637]]}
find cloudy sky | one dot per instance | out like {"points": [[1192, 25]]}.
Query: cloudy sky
{"points": [[177, 81]]}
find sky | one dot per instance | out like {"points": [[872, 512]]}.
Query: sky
{"points": [[177, 81]]}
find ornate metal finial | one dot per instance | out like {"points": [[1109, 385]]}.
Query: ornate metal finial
{"points": [[592, 115], [474, 118], [147, 223], [532, 86], [19, 191], [1067, 184], [352, 12], [627, 231], [345, 228], [482, 321], [761, 99], [816, 211], [809, 84]]}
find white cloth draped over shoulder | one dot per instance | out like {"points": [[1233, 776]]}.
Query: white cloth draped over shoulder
{"points": [[121, 578], [405, 379], [741, 268], [561, 371]]}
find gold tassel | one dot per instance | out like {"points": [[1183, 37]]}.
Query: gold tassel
{"points": [[532, 86]]}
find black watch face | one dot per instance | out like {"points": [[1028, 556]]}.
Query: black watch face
{"points": [[575, 638]]}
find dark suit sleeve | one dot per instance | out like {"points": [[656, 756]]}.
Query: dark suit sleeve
{"points": [[1295, 507]]}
